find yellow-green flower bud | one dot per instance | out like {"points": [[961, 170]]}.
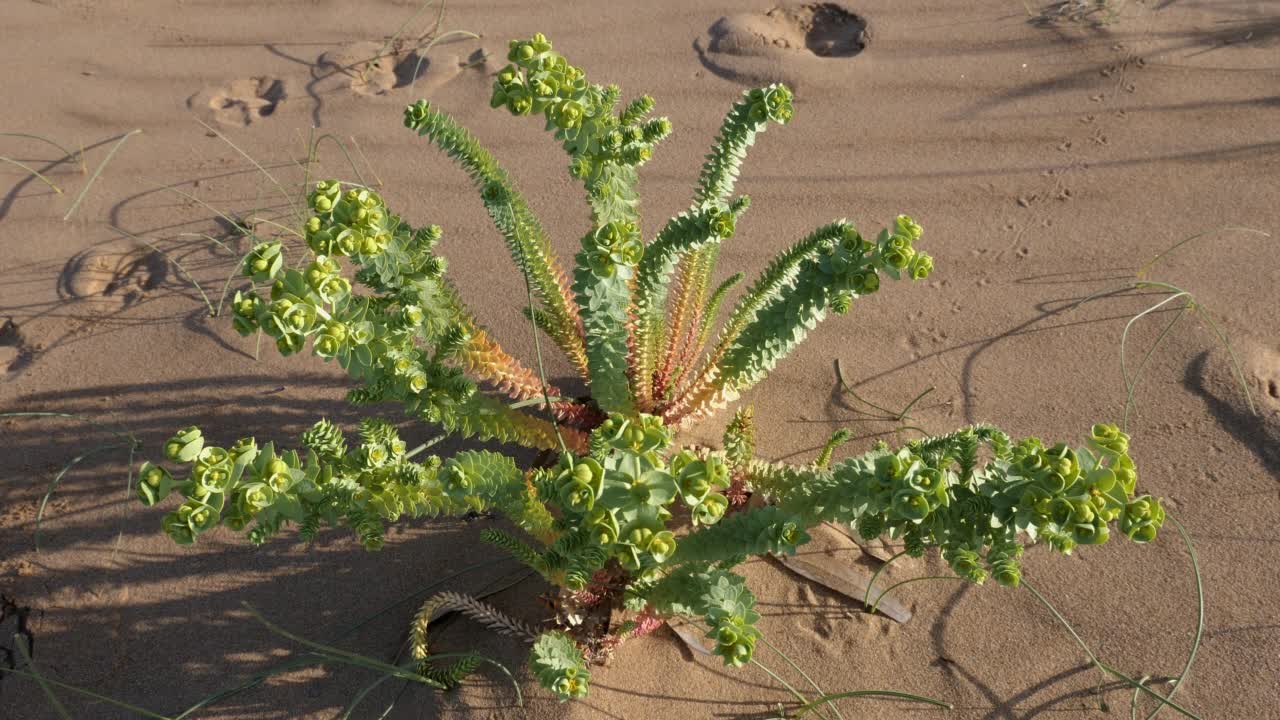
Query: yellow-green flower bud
{"points": [[921, 266], [904, 225], [185, 445], [1109, 439], [264, 261], [417, 382], [710, 510], [154, 484], [326, 346], [662, 545]]}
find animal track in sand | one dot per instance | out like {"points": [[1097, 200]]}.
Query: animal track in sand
{"points": [[242, 102], [15, 352], [791, 43], [370, 68], [823, 29], [112, 276], [1264, 365]]}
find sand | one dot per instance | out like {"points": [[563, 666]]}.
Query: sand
{"points": [[1046, 160]]}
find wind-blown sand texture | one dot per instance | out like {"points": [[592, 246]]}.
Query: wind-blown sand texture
{"points": [[1046, 159]]}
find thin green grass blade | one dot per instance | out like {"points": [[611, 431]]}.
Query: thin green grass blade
{"points": [[290, 665], [866, 599], [896, 416], [1235, 360], [367, 164], [1098, 663], [21, 643], [391, 40], [115, 148], [273, 223], [90, 694], [283, 193], [1142, 271], [57, 479], [897, 585], [360, 696], [803, 674], [36, 173], [345, 154], [537, 336], [422, 56], [342, 656], [800, 711], [65, 152], [1130, 386], [799, 696], [235, 272], [233, 222], [213, 312], [128, 495], [1217, 331], [1195, 643]]}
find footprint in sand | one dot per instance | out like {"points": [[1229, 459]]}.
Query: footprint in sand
{"points": [[371, 68], [112, 276], [1264, 365], [790, 43], [241, 102], [15, 352]]}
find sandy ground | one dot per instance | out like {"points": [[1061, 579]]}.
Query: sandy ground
{"points": [[1046, 161]]}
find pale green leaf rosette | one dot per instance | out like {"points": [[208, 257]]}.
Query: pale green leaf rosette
{"points": [[558, 664]]}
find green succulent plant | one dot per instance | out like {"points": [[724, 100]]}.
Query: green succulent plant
{"points": [[624, 515]]}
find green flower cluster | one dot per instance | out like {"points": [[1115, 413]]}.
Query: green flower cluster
{"points": [[622, 493], [930, 495], [246, 483], [402, 339], [613, 249], [840, 267], [897, 252], [1071, 496], [540, 81]]}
